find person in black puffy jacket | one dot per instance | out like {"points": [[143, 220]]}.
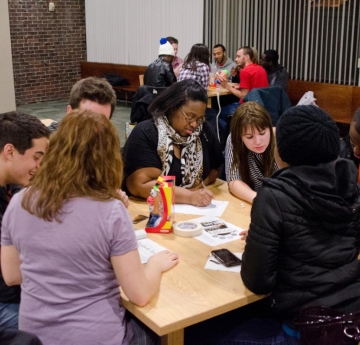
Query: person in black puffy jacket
{"points": [[160, 72], [302, 245]]}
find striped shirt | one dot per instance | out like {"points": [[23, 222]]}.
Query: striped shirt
{"points": [[256, 166]]}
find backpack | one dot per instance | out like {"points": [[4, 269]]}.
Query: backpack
{"points": [[116, 80]]}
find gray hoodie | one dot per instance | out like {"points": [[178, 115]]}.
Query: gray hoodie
{"points": [[229, 64]]}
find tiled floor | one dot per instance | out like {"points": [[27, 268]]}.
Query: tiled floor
{"points": [[56, 110]]}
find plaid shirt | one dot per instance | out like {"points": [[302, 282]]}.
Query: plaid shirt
{"points": [[201, 74]]}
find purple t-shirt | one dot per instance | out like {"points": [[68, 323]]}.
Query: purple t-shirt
{"points": [[69, 291]]}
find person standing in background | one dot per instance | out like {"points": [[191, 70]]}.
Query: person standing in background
{"points": [[178, 61]]}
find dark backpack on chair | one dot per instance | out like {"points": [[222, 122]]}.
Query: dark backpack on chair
{"points": [[116, 80], [144, 95]]}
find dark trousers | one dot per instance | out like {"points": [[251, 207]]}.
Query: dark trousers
{"points": [[249, 325]]}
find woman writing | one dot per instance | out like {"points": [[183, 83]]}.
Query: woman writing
{"points": [[249, 152], [69, 241], [177, 141], [196, 65]]}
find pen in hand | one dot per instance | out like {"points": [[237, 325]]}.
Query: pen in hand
{"points": [[204, 187]]}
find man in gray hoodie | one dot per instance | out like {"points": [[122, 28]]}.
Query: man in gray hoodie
{"points": [[221, 60]]}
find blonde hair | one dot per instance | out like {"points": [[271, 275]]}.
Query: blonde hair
{"points": [[83, 160], [256, 55], [251, 115]]}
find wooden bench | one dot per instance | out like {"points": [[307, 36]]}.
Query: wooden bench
{"points": [[130, 72], [339, 101]]}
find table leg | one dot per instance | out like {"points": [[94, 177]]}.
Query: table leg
{"points": [[174, 338], [209, 102]]}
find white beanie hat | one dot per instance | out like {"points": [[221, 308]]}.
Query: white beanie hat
{"points": [[166, 48]]}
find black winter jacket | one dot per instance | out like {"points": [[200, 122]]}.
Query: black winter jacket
{"points": [[159, 73], [302, 244]]}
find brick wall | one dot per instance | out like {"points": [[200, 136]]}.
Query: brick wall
{"points": [[47, 48]]}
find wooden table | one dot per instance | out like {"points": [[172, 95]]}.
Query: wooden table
{"points": [[188, 293], [213, 93]]}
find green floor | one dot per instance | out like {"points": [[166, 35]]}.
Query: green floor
{"points": [[56, 110]]}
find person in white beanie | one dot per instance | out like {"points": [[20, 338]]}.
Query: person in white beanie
{"points": [[160, 72]]}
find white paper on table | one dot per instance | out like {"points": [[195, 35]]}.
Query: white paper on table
{"points": [[148, 248], [212, 238], [216, 208], [220, 267]]}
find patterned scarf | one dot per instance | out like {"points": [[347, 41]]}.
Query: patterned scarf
{"points": [[191, 152], [256, 166]]}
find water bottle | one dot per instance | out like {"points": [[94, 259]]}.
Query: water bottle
{"points": [[212, 78]]}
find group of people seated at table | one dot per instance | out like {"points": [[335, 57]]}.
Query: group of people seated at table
{"points": [[169, 67], [68, 239], [248, 72]]}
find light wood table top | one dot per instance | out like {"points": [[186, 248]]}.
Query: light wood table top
{"points": [[213, 93], [188, 293]]}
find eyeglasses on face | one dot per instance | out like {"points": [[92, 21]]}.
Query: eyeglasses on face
{"points": [[190, 119]]}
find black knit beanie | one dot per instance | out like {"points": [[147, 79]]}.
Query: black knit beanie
{"points": [[307, 135]]}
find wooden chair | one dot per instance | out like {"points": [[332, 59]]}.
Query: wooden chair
{"points": [[141, 79]]}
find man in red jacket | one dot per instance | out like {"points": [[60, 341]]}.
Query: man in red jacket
{"points": [[251, 76]]}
